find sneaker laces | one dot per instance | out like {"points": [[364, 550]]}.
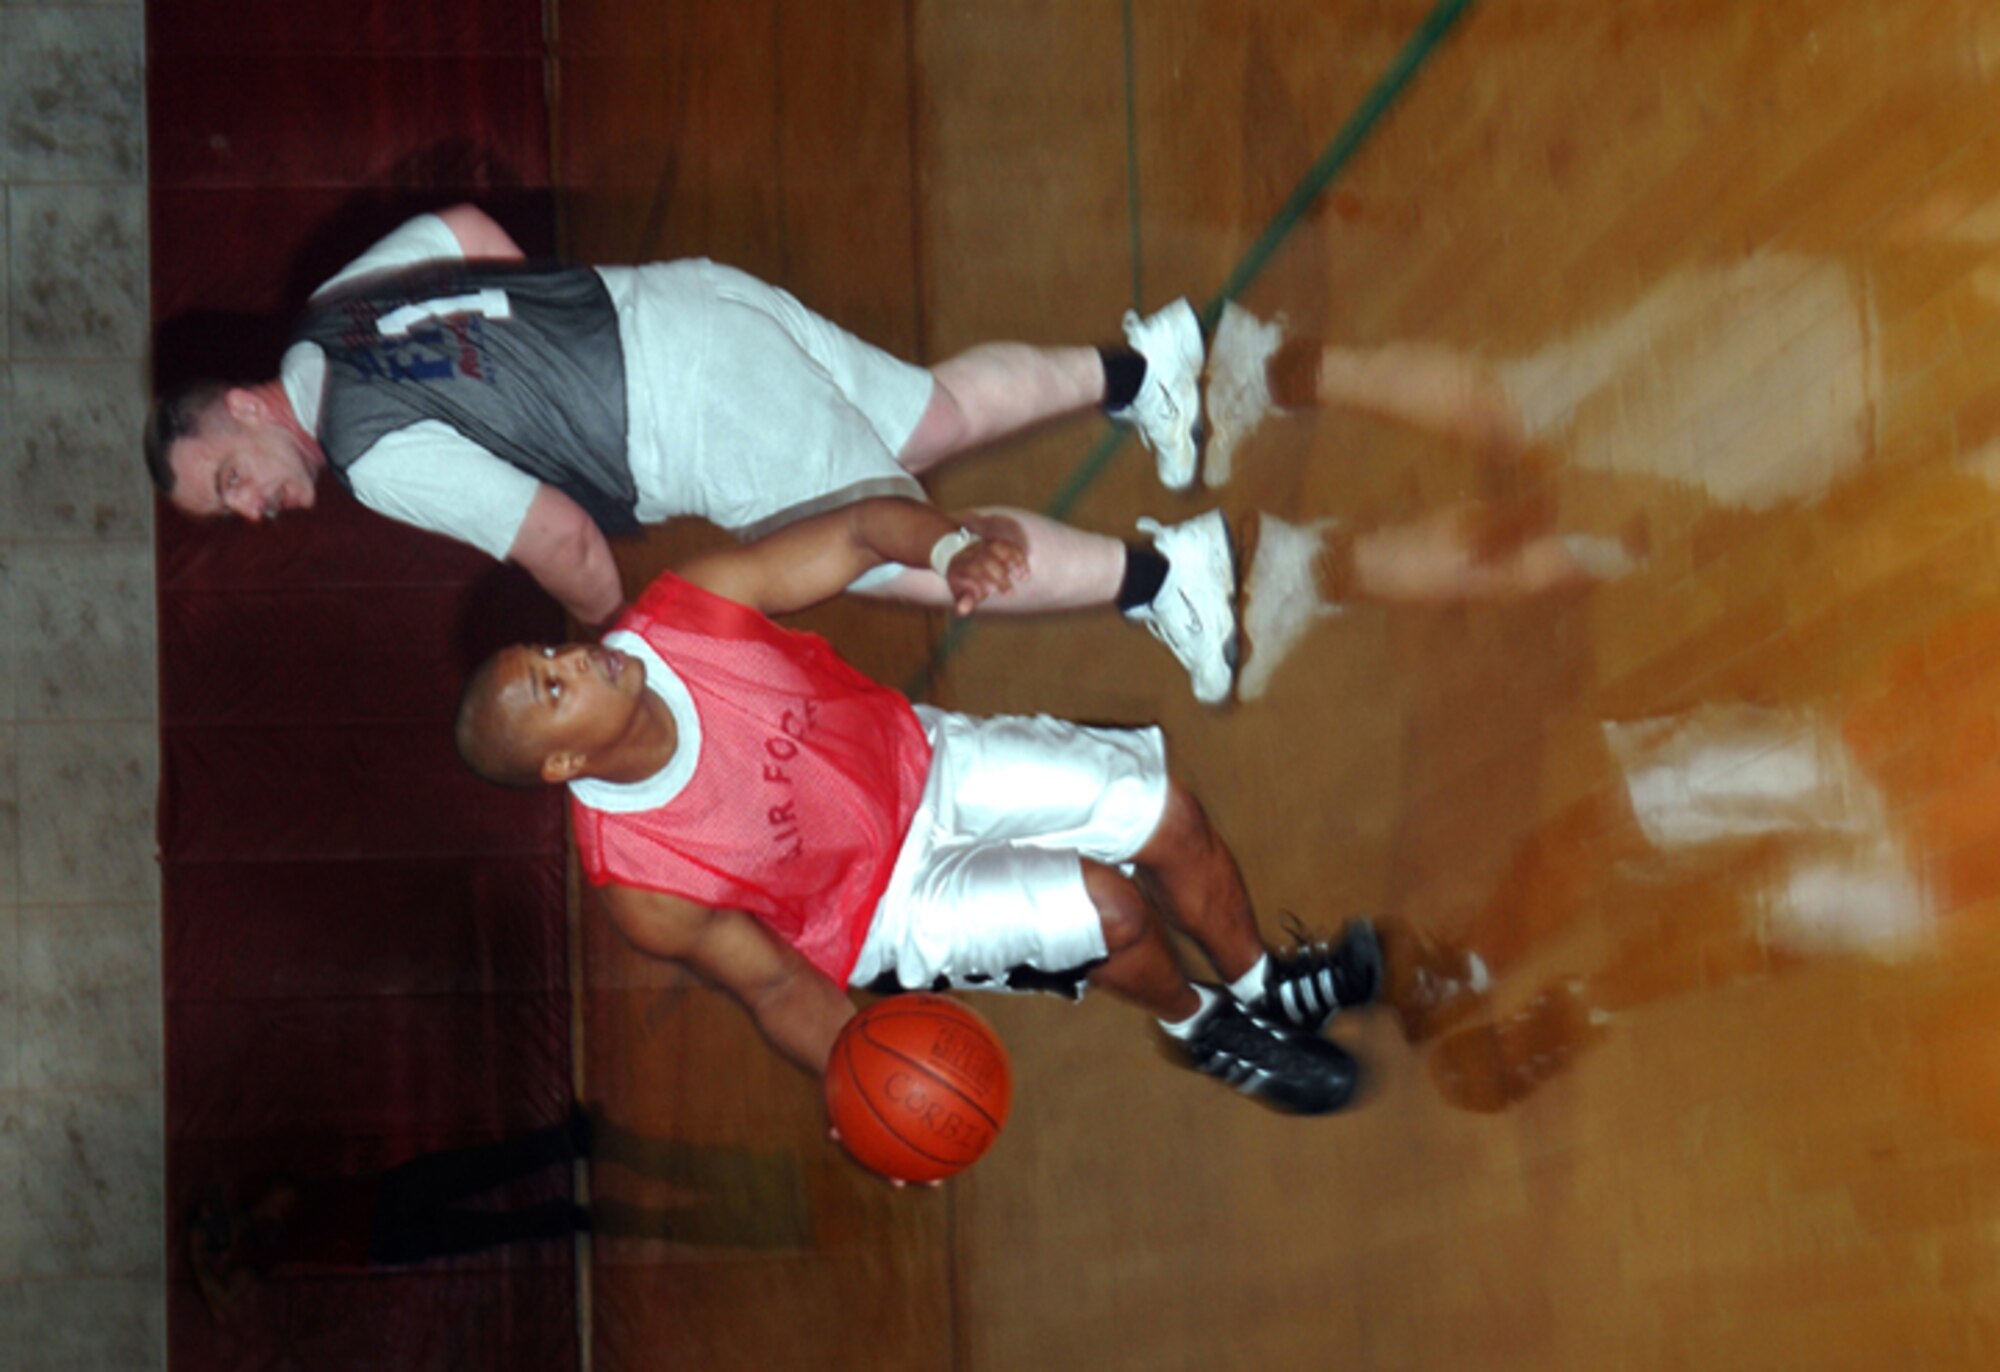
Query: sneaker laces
{"points": [[1303, 983], [1313, 980]]}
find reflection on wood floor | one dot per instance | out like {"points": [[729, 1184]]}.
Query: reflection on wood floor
{"points": [[1689, 877]]}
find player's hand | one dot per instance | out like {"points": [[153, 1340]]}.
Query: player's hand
{"points": [[990, 566]]}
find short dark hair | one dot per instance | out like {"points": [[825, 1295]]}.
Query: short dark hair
{"points": [[177, 414], [482, 736]]}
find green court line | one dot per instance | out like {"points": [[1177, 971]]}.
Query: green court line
{"points": [[1408, 62], [1132, 160]]}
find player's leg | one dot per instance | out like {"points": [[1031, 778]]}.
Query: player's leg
{"points": [[1200, 886], [1180, 585], [1201, 890], [1014, 917], [851, 420], [758, 331], [995, 390], [1208, 1028], [1139, 965], [1019, 842]]}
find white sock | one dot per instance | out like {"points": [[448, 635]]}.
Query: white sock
{"points": [[1187, 1026], [1249, 988]]}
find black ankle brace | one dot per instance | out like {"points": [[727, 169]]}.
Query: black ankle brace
{"points": [[1124, 374], [1145, 573]]}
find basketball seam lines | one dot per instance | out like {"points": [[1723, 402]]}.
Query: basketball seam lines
{"points": [[905, 1057]]}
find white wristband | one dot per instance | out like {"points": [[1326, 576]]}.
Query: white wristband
{"points": [[949, 547]]}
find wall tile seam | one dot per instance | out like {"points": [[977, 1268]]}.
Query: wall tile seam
{"points": [[32, 538], [108, 362], [23, 720], [75, 1278], [137, 181], [10, 1093]]}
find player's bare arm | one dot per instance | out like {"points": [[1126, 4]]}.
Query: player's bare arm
{"points": [[793, 1004], [818, 558], [564, 550], [478, 235]]}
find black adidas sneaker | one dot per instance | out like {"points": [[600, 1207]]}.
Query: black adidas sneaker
{"points": [[1315, 980], [1300, 1074]]}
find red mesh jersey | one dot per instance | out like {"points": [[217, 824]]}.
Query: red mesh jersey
{"points": [[804, 786]]}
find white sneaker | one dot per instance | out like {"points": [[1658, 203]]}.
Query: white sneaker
{"points": [[1239, 389], [1194, 613], [1167, 410]]}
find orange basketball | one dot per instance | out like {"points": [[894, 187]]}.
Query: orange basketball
{"points": [[918, 1087]]}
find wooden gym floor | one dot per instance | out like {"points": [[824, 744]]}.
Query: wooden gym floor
{"points": [[1719, 830]]}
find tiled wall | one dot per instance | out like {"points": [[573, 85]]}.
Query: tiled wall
{"points": [[81, 1205]]}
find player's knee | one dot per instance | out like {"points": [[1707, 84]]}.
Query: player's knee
{"points": [[1122, 908], [1183, 829]]}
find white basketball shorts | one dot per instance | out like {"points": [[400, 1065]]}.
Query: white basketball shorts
{"points": [[746, 408], [987, 892]]}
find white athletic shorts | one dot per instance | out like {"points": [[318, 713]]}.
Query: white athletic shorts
{"points": [[987, 892], [746, 408]]}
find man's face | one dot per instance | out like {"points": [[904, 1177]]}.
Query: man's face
{"points": [[241, 462], [568, 705]]}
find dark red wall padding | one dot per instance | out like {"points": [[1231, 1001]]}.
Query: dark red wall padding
{"points": [[365, 949]]}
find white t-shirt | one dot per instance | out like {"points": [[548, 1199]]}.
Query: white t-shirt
{"points": [[428, 474]]}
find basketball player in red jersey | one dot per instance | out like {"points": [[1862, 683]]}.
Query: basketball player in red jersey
{"points": [[788, 829]]}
